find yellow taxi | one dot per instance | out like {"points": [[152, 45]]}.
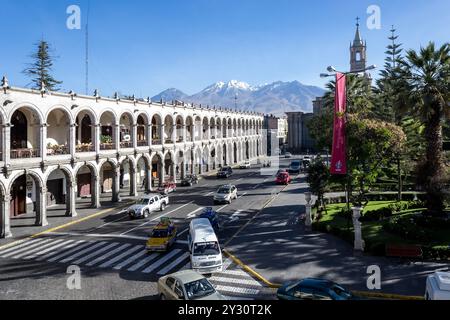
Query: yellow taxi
{"points": [[163, 236]]}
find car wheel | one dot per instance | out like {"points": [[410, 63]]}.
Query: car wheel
{"points": [[146, 214], [162, 297], [163, 207]]}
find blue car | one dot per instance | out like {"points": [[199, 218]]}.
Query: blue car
{"points": [[314, 289], [212, 216]]}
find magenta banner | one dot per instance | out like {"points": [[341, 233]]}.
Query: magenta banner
{"points": [[339, 153]]}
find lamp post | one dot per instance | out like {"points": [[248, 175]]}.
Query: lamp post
{"points": [[308, 220], [359, 242]]}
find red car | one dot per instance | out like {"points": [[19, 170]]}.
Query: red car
{"points": [[167, 188], [283, 178]]}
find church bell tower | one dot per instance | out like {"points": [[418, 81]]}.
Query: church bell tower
{"points": [[358, 52]]}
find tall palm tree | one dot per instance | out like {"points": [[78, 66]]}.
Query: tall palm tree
{"points": [[425, 91]]}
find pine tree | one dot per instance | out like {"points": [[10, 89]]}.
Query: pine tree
{"points": [[40, 69]]}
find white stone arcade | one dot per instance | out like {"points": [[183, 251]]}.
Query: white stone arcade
{"points": [[58, 148]]}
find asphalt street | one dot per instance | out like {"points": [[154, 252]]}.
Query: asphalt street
{"points": [[109, 248]]}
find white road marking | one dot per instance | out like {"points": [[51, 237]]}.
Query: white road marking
{"points": [[193, 213], [246, 291], [154, 219], [121, 256], [183, 232], [208, 194], [83, 245], [98, 235], [159, 262], [221, 208], [96, 253], [54, 246], [27, 243], [143, 262], [248, 282], [58, 250], [169, 267], [130, 260], [234, 217], [108, 254], [27, 251], [23, 247], [80, 253], [242, 195]]}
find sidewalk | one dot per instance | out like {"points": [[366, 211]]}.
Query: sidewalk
{"points": [[277, 246]]}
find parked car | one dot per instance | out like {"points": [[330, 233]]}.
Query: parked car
{"points": [[212, 216], [163, 236], [295, 167], [225, 172], [314, 289], [288, 155], [283, 178], [245, 165], [147, 204], [281, 171], [438, 286], [167, 188], [187, 285], [189, 180], [226, 193]]}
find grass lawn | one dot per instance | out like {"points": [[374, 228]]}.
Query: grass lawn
{"points": [[372, 231]]}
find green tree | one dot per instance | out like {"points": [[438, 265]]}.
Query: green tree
{"points": [[318, 179], [425, 93], [40, 69], [372, 144]]}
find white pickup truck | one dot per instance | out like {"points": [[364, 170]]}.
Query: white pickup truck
{"points": [[438, 286], [147, 204]]}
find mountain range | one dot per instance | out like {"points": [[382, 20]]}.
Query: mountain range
{"points": [[275, 98]]}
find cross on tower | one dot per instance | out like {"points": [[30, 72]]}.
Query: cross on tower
{"points": [[357, 21]]}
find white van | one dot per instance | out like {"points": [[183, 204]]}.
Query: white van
{"points": [[206, 255], [438, 286]]}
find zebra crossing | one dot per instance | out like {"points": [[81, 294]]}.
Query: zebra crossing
{"points": [[127, 257]]}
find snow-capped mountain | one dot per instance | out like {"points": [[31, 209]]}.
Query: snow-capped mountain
{"points": [[276, 98]]}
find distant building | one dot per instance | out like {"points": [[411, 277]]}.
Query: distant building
{"points": [[299, 139], [277, 130], [318, 105]]}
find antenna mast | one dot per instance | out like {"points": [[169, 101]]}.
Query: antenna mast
{"points": [[87, 50]]}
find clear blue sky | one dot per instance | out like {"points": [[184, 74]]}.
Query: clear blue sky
{"points": [[144, 47]]}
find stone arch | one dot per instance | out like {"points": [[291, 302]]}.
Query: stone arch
{"points": [[108, 133], [61, 187], [59, 121], [157, 172], [26, 134], [169, 129], [157, 126], [28, 195], [142, 125], [86, 176], [126, 130]]}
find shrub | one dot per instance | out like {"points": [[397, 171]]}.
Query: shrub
{"points": [[376, 215], [436, 252], [406, 227]]}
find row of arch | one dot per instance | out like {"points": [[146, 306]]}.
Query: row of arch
{"points": [[91, 183], [30, 136]]}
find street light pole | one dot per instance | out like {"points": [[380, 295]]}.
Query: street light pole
{"points": [[359, 243]]}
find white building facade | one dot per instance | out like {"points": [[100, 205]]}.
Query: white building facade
{"points": [[59, 148]]}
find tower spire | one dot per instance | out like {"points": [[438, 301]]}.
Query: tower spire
{"points": [[357, 40]]}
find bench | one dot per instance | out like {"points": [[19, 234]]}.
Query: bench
{"points": [[404, 251]]}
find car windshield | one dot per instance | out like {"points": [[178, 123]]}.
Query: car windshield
{"points": [[341, 292], [206, 249], [295, 164], [224, 169], [159, 234], [224, 190], [143, 201], [199, 289]]}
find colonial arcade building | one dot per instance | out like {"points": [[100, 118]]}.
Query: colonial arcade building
{"points": [[69, 150]]}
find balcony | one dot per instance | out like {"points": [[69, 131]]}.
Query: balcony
{"points": [[156, 141], [126, 144], [142, 143], [85, 147], [107, 146], [24, 153], [180, 140], [57, 150]]}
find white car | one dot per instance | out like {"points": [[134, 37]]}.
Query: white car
{"points": [[226, 193], [187, 285], [147, 204], [438, 286], [245, 165]]}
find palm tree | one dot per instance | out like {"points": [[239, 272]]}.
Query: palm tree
{"points": [[425, 91]]}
